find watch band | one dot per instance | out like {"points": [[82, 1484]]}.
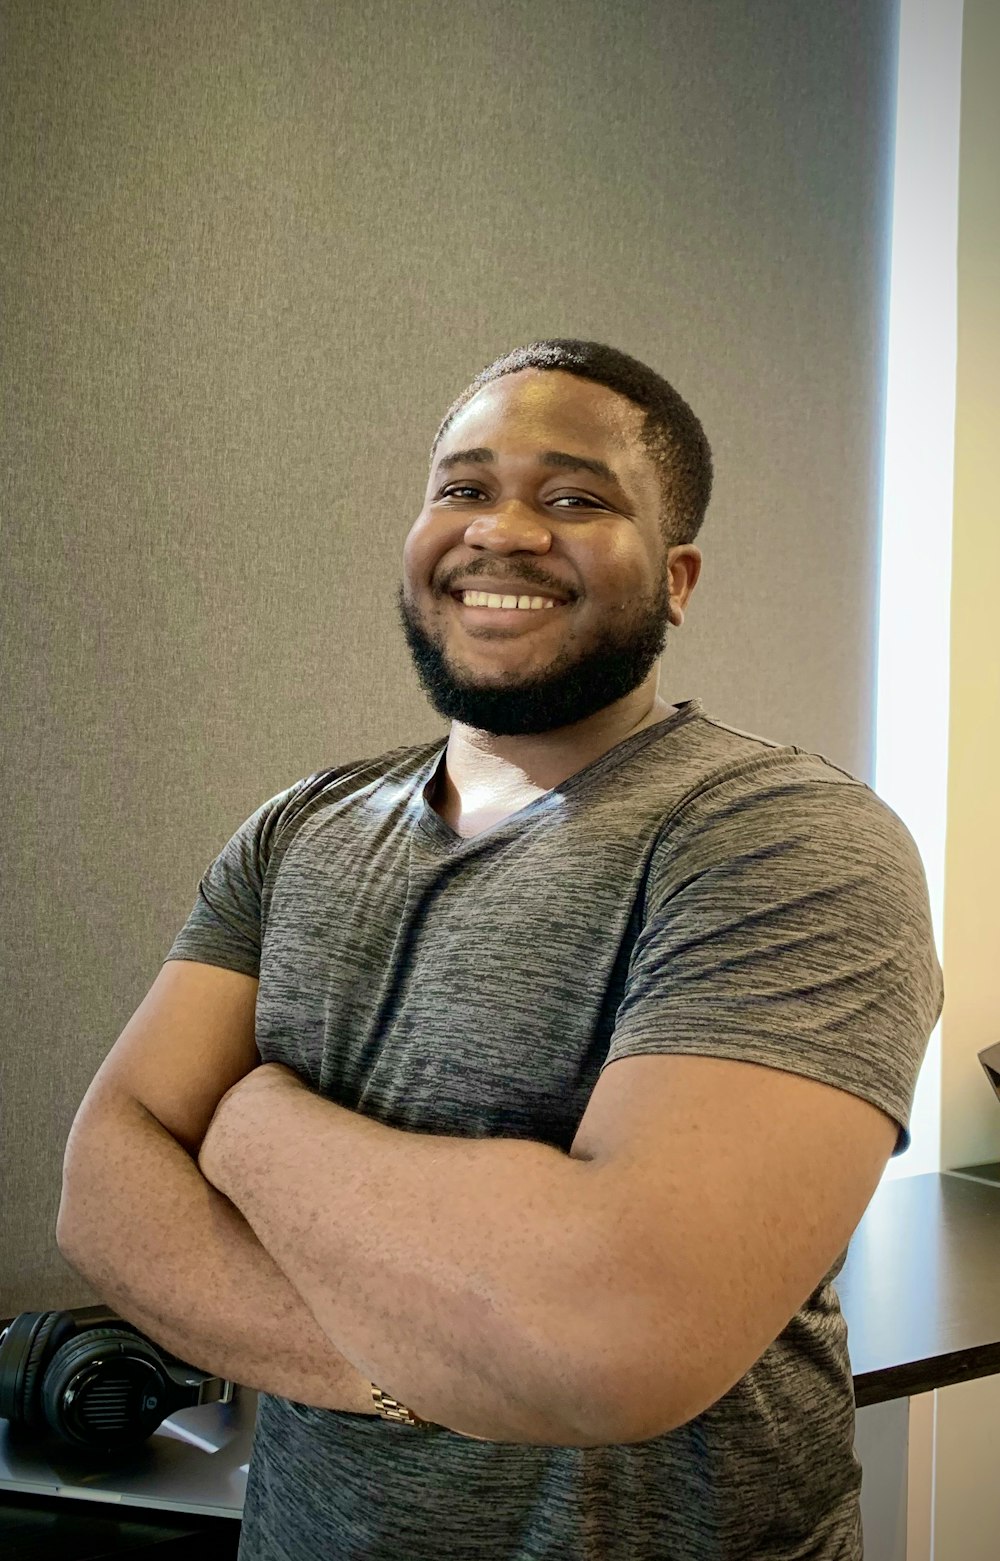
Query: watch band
{"points": [[392, 1409]]}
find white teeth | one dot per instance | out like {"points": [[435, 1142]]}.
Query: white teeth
{"points": [[488, 599]]}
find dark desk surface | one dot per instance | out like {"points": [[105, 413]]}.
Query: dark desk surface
{"points": [[920, 1290]]}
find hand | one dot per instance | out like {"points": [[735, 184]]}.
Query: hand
{"points": [[211, 1155]]}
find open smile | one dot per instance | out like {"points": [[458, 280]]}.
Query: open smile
{"points": [[506, 617]]}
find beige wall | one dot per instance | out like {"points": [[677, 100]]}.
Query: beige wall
{"points": [[971, 953], [966, 1512]]}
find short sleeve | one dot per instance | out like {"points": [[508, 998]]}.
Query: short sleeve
{"points": [[224, 927], [787, 923]]}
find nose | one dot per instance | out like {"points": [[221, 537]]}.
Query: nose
{"points": [[509, 528]]}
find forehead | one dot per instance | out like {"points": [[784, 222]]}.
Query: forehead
{"points": [[532, 411], [535, 407]]}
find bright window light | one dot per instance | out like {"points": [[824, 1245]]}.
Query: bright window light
{"points": [[914, 635]]}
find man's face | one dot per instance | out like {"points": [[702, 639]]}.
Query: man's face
{"points": [[512, 524]]}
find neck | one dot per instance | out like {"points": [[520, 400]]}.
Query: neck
{"points": [[481, 767]]}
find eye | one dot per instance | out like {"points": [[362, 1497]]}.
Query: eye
{"points": [[468, 487]]}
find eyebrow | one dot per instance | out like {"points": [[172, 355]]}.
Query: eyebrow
{"points": [[481, 456]]}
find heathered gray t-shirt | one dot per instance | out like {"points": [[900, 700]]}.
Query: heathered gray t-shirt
{"points": [[696, 889]]}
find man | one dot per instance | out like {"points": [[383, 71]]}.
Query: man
{"points": [[595, 1026]]}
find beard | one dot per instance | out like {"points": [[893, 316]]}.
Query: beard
{"points": [[573, 687]]}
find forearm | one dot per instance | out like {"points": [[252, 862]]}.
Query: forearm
{"points": [[465, 1277], [173, 1256]]}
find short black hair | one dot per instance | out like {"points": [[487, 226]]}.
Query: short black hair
{"points": [[671, 433]]}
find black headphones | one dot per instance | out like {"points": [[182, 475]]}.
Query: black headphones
{"points": [[95, 1386]]}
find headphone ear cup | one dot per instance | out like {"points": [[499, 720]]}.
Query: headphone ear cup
{"points": [[106, 1389], [30, 1342]]}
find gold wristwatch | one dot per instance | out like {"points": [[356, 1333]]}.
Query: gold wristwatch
{"points": [[392, 1409]]}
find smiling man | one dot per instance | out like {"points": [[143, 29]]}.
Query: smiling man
{"points": [[539, 580], [596, 1024]]}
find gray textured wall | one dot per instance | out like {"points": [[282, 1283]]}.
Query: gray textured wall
{"points": [[250, 254]]}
